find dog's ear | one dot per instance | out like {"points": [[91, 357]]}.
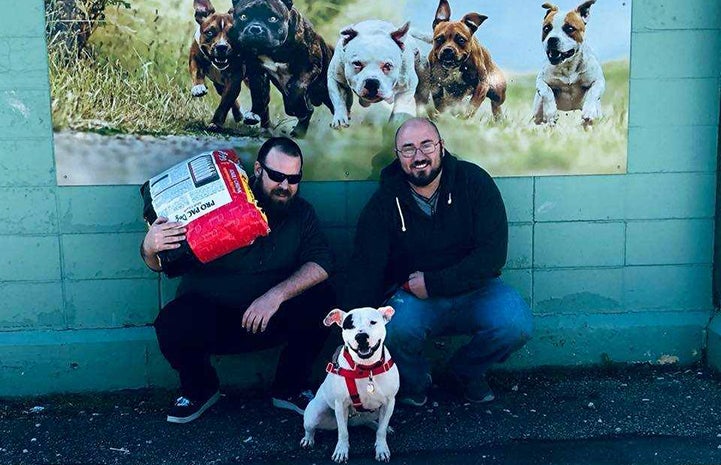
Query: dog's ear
{"points": [[387, 313], [288, 3], [348, 34], [335, 316], [399, 35], [474, 21], [443, 13], [550, 8], [584, 9], [203, 9]]}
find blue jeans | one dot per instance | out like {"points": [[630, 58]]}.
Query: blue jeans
{"points": [[497, 318]]}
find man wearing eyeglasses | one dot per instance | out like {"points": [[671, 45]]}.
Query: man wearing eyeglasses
{"points": [[431, 242], [270, 293]]}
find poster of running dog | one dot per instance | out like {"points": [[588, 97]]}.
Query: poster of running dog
{"points": [[520, 87]]}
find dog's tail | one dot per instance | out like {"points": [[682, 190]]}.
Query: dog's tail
{"points": [[422, 36]]}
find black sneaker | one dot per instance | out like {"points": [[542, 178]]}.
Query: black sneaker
{"points": [[472, 390], [478, 391], [186, 410], [296, 403], [416, 399]]}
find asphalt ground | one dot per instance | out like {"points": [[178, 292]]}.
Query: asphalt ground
{"points": [[617, 415]]}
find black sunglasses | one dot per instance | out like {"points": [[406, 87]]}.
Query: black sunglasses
{"points": [[277, 176]]}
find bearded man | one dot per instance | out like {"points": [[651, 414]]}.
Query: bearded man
{"points": [[431, 243], [272, 292]]}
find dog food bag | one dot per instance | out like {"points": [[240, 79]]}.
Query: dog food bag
{"points": [[210, 194]]}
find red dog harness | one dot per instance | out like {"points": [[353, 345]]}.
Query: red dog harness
{"points": [[358, 372]]}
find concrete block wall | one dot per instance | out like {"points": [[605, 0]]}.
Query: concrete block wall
{"points": [[617, 268]]}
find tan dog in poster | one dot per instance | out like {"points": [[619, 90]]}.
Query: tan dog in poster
{"points": [[461, 66], [212, 55]]}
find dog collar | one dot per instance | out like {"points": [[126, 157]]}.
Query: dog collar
{"points": [[358, 371]]}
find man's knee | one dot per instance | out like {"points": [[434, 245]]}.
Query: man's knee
{"points": [[406, 328], [515, 328], [175, 321], [515, 333], [512, 323], [308, 309]]}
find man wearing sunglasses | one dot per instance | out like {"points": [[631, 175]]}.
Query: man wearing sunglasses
{"points": [[431, 242], [273, 292]]}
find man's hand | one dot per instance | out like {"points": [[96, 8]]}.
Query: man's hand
{"points": [[163, 235], [417, 284], [259, 313]]}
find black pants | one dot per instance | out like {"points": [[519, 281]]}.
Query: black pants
{"points": [[190, 329]]}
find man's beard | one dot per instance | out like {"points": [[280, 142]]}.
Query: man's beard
{"points": [[276, 209], [422, 179]]}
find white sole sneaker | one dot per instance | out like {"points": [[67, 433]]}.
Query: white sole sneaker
{"points": [[208, 403], [281, 403], [413, 402]]}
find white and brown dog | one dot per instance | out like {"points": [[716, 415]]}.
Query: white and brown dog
{"points": [[379, 63], [362, 382], [572, 79]]}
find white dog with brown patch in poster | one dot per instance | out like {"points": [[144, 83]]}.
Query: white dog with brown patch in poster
{"points": [[362, 382], [572, 79]]}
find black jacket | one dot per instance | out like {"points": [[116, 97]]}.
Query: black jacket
{"points": [[463, 243]]}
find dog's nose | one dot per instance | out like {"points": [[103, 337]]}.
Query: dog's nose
{"points": [[255, 30], [222, 49], [554, 42], [447, 54], [372, 86], [361, 337]]}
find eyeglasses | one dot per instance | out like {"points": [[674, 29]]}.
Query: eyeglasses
{"points": [[277, 176], [427, 148]]}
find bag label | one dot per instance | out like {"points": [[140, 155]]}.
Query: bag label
{"points": [[189, 190]]}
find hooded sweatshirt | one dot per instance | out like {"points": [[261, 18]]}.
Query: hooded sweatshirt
{"points": [[464, 243]]}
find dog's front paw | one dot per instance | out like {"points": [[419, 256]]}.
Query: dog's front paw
{"points": [[340, 121], [340, 454], [550, 117], [213, 127], [307, 442], [590, 114], [199, 90], [383, 453], [251, 118]]}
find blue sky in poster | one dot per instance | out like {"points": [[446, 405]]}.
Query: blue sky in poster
{"points": [[512, 32]]}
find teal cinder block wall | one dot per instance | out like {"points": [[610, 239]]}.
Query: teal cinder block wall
{"points": [[616, 267]]}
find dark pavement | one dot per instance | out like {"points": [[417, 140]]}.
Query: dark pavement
{"points": [[631, 415]]}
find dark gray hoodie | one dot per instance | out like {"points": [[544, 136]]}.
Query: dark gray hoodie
{"points": [[462, 244]]}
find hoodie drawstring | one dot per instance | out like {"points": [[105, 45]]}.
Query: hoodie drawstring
{"points": [[450, 199], [400, 213]]}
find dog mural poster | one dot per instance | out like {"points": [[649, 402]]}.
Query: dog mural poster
{"points": [[520, 87]]}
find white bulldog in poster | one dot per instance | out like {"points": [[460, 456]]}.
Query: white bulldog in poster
{"points": [[378, 62]]}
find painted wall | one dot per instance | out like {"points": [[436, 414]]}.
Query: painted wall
{"points": [[617, 268]]}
